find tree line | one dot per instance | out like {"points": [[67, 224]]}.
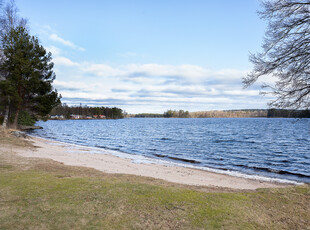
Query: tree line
{"points": [[86, 111], [149, 115], [169, 113], [245, 113], [289, 113], [178, 114], [230, 113]]}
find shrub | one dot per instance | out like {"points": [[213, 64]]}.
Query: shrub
{"points": [[25, 118]]}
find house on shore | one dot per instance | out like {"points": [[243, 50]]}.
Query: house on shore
{"points": [[57, 117], [75, 116]]}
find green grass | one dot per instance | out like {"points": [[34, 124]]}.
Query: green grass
{"points": [[42, 194], [38, 199]]}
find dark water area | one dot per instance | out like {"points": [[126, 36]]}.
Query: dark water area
{"points": [[268, 147]]}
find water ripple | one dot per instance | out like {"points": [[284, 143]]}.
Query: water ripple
{"points": [[276, 148]]}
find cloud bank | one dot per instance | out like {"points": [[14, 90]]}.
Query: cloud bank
{"points": [[154, 87]]}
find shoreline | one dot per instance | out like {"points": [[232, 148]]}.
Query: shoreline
{"points": [[105, 161], [140, 159]]}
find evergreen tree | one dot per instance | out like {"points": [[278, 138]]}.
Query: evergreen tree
{"points": [[9, 19], [29, 74]]}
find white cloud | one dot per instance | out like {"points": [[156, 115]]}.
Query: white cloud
{"points": [[101, 70], [232, 73], [168, 70], [146, 71], [237, 92], [71, 84], [63, 61], [56, 38], [143, 87], [54, 50]]}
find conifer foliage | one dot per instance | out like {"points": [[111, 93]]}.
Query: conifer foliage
{"points": [[28, 74]]}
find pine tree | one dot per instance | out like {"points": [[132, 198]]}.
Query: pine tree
{"points": [[29, 74]]}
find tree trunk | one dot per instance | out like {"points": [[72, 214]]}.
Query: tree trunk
{"points": [[15, 124], [6, 115]]}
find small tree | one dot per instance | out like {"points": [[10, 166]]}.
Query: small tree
{"points": [[29, 74], [286, 54]]}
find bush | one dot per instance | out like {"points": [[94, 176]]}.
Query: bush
{"points": [[25, 118]]}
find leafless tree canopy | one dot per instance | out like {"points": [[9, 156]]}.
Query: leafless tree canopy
{"points": [[286, 53], [9, 17]]}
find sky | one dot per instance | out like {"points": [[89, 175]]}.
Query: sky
{"points": [[151, 56]]}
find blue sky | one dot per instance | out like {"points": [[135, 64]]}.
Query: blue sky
{"points": [[150, 56]]}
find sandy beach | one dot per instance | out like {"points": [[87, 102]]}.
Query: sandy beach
{"points": [[83, 156]]}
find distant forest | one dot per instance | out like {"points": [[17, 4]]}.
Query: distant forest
{"points": [[288, 113], [116, 113], [167, 114], [87, 111], [230, 113]]}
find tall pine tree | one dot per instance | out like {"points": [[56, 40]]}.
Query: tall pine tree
{"points": [[29, 74]]}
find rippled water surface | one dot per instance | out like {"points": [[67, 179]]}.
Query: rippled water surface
{"points": [[275, 147]]}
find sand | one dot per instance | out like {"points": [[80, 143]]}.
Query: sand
{"points": [[83, 156]]}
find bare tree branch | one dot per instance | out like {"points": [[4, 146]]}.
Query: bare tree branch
{"points": [[286, 53]]}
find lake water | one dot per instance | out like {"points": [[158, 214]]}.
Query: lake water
{"points": [[271, 148]]}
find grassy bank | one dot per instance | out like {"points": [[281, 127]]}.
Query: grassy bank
{"points": [[43, 194]]}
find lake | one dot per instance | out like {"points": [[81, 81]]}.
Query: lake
{"points": [[267, 147]]}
